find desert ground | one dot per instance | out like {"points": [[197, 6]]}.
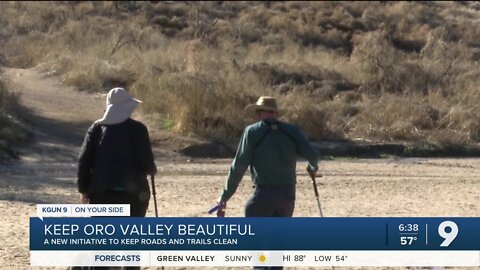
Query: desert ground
{"points": [[188, 187]]}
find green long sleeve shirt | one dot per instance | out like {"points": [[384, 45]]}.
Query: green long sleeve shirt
{"points": [[271, 149]]}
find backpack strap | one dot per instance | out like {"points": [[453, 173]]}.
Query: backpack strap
{"points": [[264, 135], [274, 126], [284, 131]]}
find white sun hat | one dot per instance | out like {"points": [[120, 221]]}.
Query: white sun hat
{"points": [[120, 106]]}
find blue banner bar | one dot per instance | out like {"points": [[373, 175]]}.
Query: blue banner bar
{"points": [[255, 234]]}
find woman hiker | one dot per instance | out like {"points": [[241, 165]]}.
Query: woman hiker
{"points": [[115, 159]]}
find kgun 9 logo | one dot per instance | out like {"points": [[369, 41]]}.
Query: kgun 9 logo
{"points": [[448, 230]]}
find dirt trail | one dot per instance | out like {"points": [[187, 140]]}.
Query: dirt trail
{"points": [[60, 117], [59, 114]]}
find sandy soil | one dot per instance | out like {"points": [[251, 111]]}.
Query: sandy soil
{"points": [[349, 188]]}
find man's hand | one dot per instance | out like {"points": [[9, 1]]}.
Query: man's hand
{"points": [[85, 199], [221, 210]]}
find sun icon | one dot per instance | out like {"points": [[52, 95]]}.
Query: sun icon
{"points": [[262, 258]]}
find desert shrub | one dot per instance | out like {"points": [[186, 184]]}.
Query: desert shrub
{"points": [[12, 130], [98, 76], [203, 104], [385, 69], [8, 100], [310, 118], [319, 120], [377, 59], [394, 118]]}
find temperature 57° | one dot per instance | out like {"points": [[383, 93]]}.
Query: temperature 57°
{"points": [[407, 240]]}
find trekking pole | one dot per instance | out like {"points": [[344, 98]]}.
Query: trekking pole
{"points": [[154, 195], [155, 200], [315, 189]]}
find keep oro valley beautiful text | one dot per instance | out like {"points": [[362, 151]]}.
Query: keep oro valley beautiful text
{"points": [[150, 229]]}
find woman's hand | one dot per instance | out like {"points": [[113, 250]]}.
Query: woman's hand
{"points": [[85, 199]]}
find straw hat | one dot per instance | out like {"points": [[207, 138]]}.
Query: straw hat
{"points": [[120, 106], [263, 103]]}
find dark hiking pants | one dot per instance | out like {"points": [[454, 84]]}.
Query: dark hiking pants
{"points": [[138, 205], [271, 202], [138, 208]]}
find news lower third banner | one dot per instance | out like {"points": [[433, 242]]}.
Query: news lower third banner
{"points": [[125, 241]]}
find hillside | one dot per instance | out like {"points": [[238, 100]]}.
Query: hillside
{"points": [[355, 71]]}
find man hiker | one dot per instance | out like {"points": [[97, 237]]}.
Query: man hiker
{"points": [[270, 147]]}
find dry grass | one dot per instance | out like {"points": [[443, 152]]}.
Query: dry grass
{"points": [[382, 71], [12, 130]]}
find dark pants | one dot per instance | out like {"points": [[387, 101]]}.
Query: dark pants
{"points": [[138, 201], [271, 202], [138, 208]]}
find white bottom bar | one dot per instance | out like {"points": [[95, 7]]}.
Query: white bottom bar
{"points": [[255, 258]]}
